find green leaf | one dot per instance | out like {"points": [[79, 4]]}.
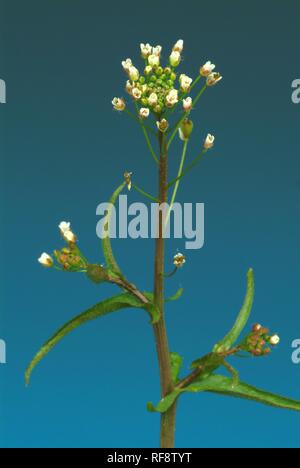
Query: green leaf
{"points": [[176, 296], [154, 312], [151, 308], [242, 319], [176, 364], [106, 244], [223, 385], [107, 306]]}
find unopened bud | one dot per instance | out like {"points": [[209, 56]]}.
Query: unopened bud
{"points": [[186, 129]]}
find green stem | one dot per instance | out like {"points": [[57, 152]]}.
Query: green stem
{"points": [[138, 120], [172, 273], [188, 168], [146, 194], [177, 182], [149, 145], [147, 137]]}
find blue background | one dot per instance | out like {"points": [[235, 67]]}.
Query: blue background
{"points": [[65, 151]]}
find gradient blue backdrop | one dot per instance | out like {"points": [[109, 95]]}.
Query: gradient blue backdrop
{"points": [[63, 151]]}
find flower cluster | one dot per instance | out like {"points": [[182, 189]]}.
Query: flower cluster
{"points": [[68, 258], [258, 341], [159, 87]]}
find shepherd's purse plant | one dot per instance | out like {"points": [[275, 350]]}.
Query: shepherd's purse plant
{"points": [[162, 106]]}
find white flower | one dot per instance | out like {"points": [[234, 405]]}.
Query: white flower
{"points": [[178, 47], [64, 226], [162, 125], [172, 98], [207, 68], [179, 260], [148, 69], [213, 79], [136, 93], [185, 82], [209, 141], [274, 340], [126, 64], [157, 50], [187, 104], [70, 236], [118, 103], [146, 50], [152, 99], [153, 60], [45, 260], [129, 86], [133, 73], [144, 112], [175, 58]]}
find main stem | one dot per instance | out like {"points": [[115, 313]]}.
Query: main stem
{"points": [[167, 428]]}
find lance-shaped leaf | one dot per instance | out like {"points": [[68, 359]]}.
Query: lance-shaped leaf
{"points": [[106, 244], [223, 385], [107, 306], [226, 343]]}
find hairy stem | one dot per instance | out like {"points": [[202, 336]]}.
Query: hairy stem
{"points": [[167, 430]]}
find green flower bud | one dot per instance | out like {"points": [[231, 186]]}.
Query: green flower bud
{"points": [[167, 70], [159, 70], [186, 129], [142, 80], [97, 273], [170, 83], [173, 76]]}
